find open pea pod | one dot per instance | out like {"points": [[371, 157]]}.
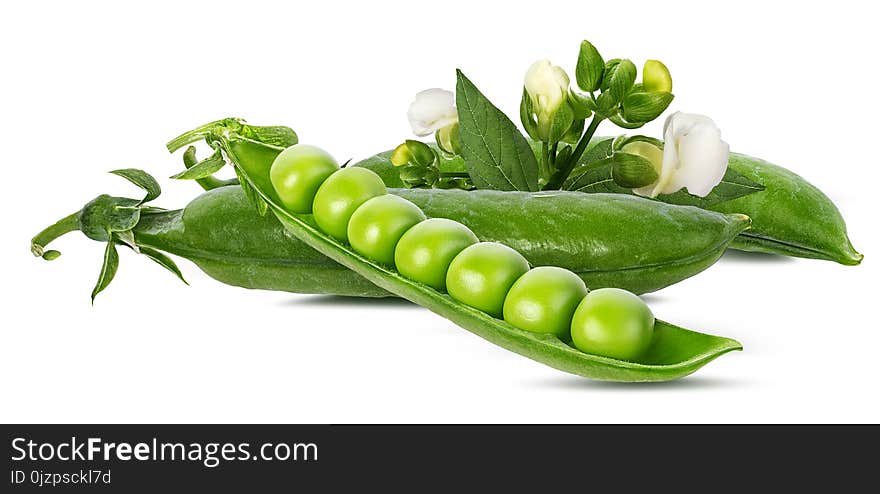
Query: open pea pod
{"points": [[674, 353]]}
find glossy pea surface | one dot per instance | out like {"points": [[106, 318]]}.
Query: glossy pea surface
{"points": [[298, 172], [613, 323], [377, 225], [481, 275], [544, 300], [340, 195], [425, 252]]}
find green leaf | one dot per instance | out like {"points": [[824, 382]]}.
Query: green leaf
{"points": [[252, 195], [163, 260], [143, 180], [126, 237], [275, 135], [107, 214], [622, 79], [202, 169], [51, 255], [495, 152], [631, 170], [108, 269], [590, 67], [644, 107]]}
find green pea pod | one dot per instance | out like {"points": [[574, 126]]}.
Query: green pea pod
{"points": [[221, 233], [790, 216], [675, 352]]}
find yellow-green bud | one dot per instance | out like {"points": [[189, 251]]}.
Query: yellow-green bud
{"points": [[656, 77]]}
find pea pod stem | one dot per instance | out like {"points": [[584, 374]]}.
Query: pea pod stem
{"points": [[67, 224], [199, 133]]}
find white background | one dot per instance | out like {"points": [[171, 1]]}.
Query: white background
{"points": [[88, 87]]}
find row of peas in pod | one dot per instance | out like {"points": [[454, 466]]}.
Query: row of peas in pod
{"points": [[353, 206]]}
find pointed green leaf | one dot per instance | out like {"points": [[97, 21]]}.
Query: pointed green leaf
{"points": [[275, 135], [590, 67], [127, 238], [496, 154], [163, 260], [108, 269], [202, 169], [143, 180]]}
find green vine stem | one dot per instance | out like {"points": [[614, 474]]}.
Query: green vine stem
{"points": [[207, 183], [563, 173], [41, 240]]}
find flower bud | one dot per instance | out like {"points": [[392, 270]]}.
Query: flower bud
{"points": [[448, 140], [547, 89], [656, 77]]}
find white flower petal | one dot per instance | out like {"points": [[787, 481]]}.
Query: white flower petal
{"points": [[694, 156], [432, 110]]}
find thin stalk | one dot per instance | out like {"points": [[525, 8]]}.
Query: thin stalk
{"points": [[553, 150], [64, 225], [563, 173], [199, 133], [545, 162]]}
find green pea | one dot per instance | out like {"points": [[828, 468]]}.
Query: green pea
{"points": [[613, 323], [481, 275], [426, 250], [544, 300], [376, 226], [296, 174], [340, 195]]}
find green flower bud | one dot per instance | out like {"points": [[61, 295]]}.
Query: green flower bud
{"points": [[547, 111], [656, 77], [448, 140]]}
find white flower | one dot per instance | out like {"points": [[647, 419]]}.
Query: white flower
{"points": [[694, 157], [547, 87], [432, 110]]}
